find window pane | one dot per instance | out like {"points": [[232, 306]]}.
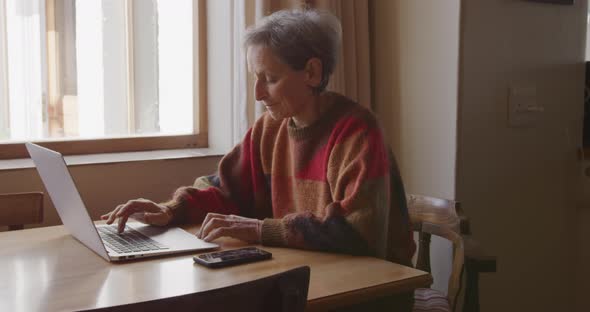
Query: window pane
{"points": [[23, 26], [4, 118], [90, 69], [98, 68], [175, 48]]}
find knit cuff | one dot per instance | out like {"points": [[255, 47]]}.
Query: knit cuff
{"points": [[273, 233]]}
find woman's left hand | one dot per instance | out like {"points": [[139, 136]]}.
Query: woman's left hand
{"points": [[217, 225]]}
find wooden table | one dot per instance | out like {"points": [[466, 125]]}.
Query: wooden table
{"points": [[46, 269]]}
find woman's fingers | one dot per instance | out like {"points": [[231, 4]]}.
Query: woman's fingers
{"points": [[140, 209], [213, 224], [246, 231], [217, 225], [138, 206], [132, 207], [110, 217], [217, 233], [236, 217], [121, 224], [208, 218]]}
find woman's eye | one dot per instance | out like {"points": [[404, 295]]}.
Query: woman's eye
{"points": [[271, 79]]}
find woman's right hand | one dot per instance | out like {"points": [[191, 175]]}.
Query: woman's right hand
{"points": [[143, 210]]}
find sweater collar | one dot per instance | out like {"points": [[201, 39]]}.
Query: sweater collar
{"points": [[338, 106]]}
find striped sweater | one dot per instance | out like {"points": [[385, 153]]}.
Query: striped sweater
{"points": [[330, 186]]}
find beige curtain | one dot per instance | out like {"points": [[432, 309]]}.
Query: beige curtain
{"points": [[352, 76]]}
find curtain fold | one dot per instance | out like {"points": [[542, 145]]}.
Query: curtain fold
{"points": [[352, 75]]}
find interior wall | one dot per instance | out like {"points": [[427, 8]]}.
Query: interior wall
{"points": [[104, 186], [520, 186], [415, 52], [415, 61]]}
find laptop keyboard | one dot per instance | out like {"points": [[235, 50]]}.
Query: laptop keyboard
{"points": [[128, 241]]}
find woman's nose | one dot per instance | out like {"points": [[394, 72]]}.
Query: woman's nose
{"points": [[260, 91]]}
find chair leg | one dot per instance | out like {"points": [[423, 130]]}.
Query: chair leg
{"points": [[476, 261], [471, 288], [423, 260]]}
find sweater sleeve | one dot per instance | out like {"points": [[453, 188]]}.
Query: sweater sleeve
{"points": [[230, 191], [359, 219]]}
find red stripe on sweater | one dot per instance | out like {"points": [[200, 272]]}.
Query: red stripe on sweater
{"points": [[379, 164], [252, 179], [344, 129], [247, 164], [316, 169], [201, 202]]}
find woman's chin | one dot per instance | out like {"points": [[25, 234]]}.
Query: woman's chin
{"points": [[275, 115]]}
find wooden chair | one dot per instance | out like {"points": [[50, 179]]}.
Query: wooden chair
{"points": [[445, 219], [286, 291], [18, 209]]}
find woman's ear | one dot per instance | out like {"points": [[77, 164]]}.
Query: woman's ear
{"points": [[313, 72]]}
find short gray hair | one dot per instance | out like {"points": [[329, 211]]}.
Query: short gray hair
{"points": [[295, 36]]}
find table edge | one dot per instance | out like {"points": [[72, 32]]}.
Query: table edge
{"points": [[365, 294]]}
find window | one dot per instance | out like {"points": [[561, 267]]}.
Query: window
{"points": [[89, 76]]}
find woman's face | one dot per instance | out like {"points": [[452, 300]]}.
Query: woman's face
{"points": [[283, 91]]}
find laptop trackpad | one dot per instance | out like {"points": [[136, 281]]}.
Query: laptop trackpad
{"points": [[172, 237]]}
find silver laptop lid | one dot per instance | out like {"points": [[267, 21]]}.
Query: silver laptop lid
{"points": [[65, 197]]}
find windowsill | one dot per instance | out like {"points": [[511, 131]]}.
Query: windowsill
{"points": [[110, 158]]}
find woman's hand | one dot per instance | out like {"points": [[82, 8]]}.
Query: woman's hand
{"points": [[142, 210], [218, 225]]}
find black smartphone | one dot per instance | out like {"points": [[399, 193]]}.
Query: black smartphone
{"points": [[232, 257]]}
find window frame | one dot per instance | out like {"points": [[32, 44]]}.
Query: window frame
{"points": [[77, 146]]}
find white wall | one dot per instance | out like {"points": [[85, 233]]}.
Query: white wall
{"points": [[415, 74], [415, 56], [520, 186]]}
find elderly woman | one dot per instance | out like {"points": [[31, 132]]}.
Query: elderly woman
{"points": [[313, 172]]}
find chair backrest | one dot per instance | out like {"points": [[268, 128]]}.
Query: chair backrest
{"points": [[434, 216], [434, 210], [18, 209], [286, 291]]}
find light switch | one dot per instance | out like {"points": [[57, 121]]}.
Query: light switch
{"points": [[523, 108]]}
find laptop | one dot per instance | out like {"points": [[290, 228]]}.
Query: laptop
{"points": [[138, 240]]}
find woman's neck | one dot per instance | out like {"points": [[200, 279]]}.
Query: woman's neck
{"points": [[320, 104]]}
